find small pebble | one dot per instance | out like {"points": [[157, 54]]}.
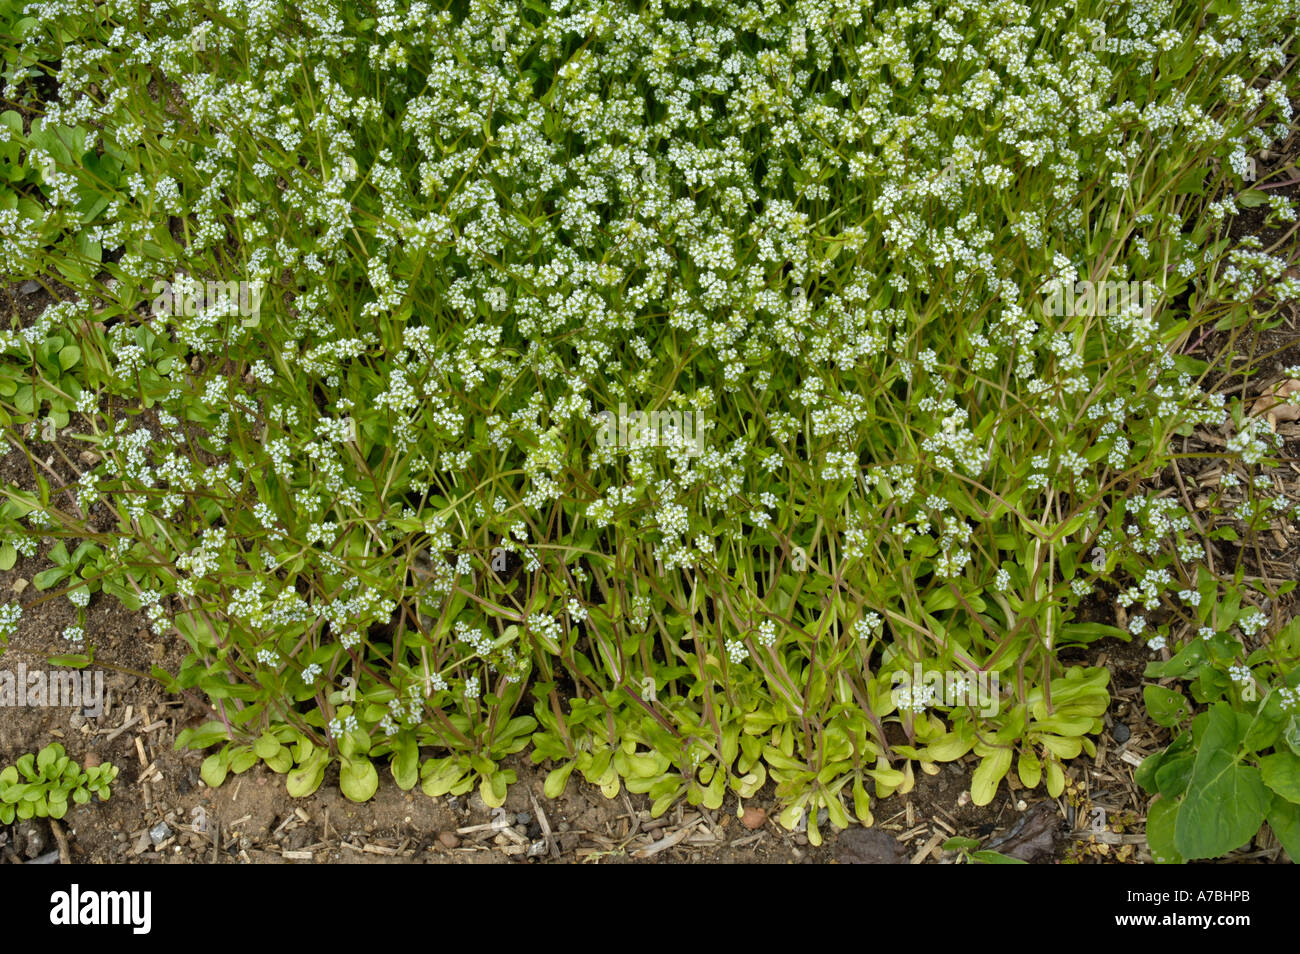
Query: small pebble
{"points": [[448, 839], [1120, 733], [91, 760], [523, 818], [159, 833], [868, 846], [30, 838], [753, 818]]}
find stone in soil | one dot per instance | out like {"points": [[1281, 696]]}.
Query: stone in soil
{"points": [[29, 838], [753, 818], [868, 846]]}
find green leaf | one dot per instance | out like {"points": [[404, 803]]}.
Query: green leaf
{"points": [[242, 758], [72, 660], [1291, 735], [210, 733], [1281, 773], [492, 789], [1166, 707], [1090, 632], [1161, 818], [48, 756], [1284, 819], [214, 768], [1173, 776], [716, 790], [949, 747], [440, 776], [990, 857], [984, 782], [1263, 732], [406, 764], [47, 578], [1029, 768], [169, 683], [1181, 664], [358, 779], [1225, 801], [305, 779], [558, 778], [1055, 777], [69, 356], [281, 761]]}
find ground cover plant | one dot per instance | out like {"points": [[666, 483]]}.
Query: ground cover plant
{"points": [[695, 396], [39, 784]]}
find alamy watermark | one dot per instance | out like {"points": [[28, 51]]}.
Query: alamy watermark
{"points": [[1102, 298], [651, 429], [917, 690], [82, 689], [128, 908], [190, 297]]}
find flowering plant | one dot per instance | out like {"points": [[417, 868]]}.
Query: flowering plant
{"points": [[386, 508]]}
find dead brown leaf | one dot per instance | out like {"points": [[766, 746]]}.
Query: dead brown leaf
{"points": [[1273, 403]]}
